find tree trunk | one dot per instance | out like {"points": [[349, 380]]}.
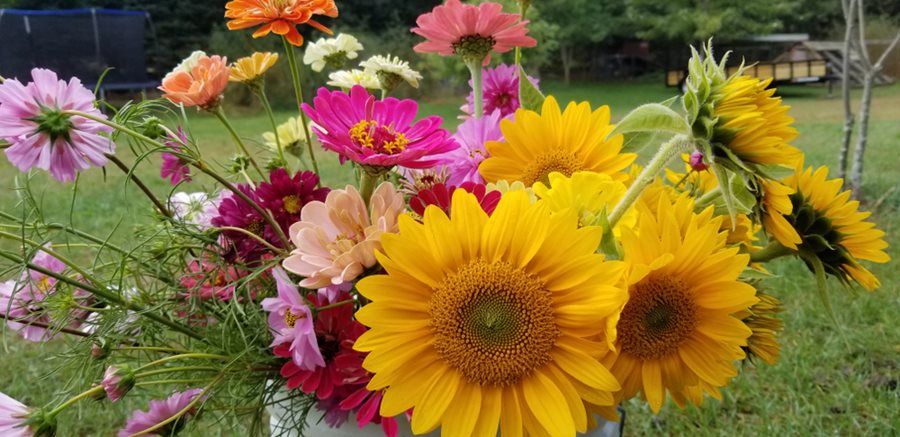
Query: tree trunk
{"points": [[565, 54], [850, 17], [856, 173]]}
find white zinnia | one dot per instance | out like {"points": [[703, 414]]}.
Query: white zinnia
{"points": [[190, 62], [346, 79], [392, 65], [318, 53], [289, 134]]}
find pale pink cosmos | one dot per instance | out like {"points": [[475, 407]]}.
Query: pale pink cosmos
{"points": [[291, 322], [462, 29], [160, 411], [117, 381], [378, 133], [13, 415], [336, 240], [40, 135], [462, 163]]}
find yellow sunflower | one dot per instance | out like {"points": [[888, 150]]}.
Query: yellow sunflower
{"points": [[554, 141], [760, 318], [485, 322], [833, 230], [589, 194], [678, 329], [251, 68], [776, 203], [753, 124]]}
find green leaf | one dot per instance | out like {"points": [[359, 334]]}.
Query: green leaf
{"points": [[745, 201], [774, 172], [637, 141], [531, 97], [652, 117], [608, 243], [725, 184], [821, 283]]}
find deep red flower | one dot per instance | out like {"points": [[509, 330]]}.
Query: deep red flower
{"points": [[236, 213], [441, 195], [285, 196]]}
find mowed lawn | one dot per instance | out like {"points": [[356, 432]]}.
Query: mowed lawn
{"points": [[836, 376]]}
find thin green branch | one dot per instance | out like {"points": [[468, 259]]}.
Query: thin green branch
{"points": [[298, 91]]}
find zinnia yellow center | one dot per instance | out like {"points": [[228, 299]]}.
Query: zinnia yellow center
{"points": [[493, 322], [381, 139], [659, 316], [554, 161]]}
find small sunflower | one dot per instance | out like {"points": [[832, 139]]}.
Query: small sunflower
{"points": [[776, 203], [678, 328], [475, 327], [587, 193], [833, 230], [760, 318], [555, 141]]}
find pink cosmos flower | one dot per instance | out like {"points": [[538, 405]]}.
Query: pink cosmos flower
{"points": [[471, 31], [159, 411], [471, 135], [291, 323], [379, 133], [173, 167], [41, 135], [117, 382], [206, 280], [13, 415], [196, 209], [501, 91], [336, 240]]}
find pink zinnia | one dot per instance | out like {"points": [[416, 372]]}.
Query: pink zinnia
{"points": [[377, 133], [336, 240], [291, 323], [471, 136], [33, 122], [472, 32], [206, 280], [501, 91], [13, 415], [175, 168], [160, 411]]}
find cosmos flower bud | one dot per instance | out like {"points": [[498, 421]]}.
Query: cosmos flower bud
{"points": [[117, 381], [697, 163]]}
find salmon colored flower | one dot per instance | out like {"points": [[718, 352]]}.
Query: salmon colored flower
{"points": [[250, 68], [199, 81], [279, 16], [470, 31], [337, 239]]}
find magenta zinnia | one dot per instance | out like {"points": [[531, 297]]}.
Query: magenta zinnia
{"points": [[472, 32], [161, 411], [377, 133], [285, 196], [501, 90], [34, 122]]}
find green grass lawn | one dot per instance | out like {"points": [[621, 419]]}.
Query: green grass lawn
{"points": [[835, 377]]}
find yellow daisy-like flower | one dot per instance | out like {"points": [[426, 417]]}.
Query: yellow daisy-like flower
{"points": [[289, 134], [554, 141], [776, 203], [678, 329], [485, 322], [760, 318], [251, 68], [589, 194], [753, 124], [833, 230]]}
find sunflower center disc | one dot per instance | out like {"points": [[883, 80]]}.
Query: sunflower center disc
{"points": [[658, 317], [493, 323], [554, 161]]}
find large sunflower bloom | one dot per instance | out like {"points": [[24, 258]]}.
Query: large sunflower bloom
{"points": [[833, 230], [754, 125], [279, 16], [485, 320], [677, 329], [555, 141]]}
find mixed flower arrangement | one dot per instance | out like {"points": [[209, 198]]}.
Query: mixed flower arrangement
{"points": [[524, 274]]}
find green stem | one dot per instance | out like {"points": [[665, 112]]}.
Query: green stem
{"points": [[88, 393], [333, 305], [298, 91], [200, 165], [153, 349], [187, 408], [659, 162], [261, 93], [140, 184], [171, 382], [71, 264], [46, 326], [477, 87], [770, 252], [253, 236], [176, 369], [220, 114], [367, 181], [107, 296], [708, 198], [193, 355]]}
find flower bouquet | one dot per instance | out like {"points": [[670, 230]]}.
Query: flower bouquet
{"points": [[523, 275]]}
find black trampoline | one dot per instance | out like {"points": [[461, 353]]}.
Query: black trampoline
{"points": [[77, 42]]}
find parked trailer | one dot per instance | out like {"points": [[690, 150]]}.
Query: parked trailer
{"points": [[780, 72]]}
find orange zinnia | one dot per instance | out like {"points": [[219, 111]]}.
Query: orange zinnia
{"points": [[279, 16]]}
